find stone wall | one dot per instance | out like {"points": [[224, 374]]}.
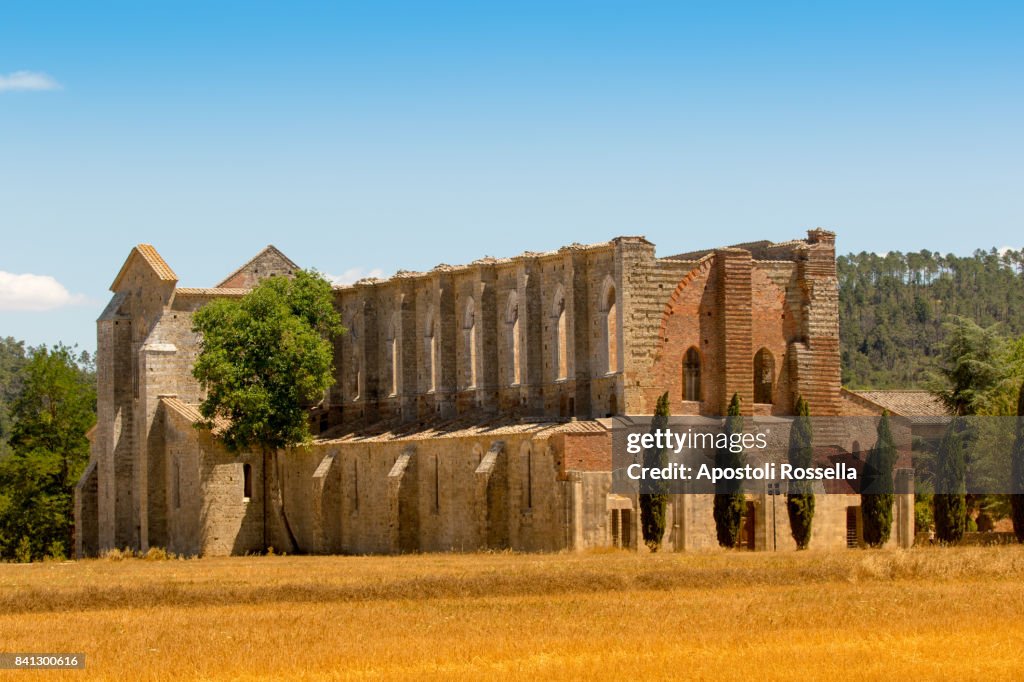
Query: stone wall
{"points": [[581, 333]]}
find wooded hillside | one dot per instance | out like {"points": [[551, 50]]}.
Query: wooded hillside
{"points": [[891, 309]]}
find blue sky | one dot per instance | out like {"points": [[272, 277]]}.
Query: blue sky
{"points": [[377, 136]]}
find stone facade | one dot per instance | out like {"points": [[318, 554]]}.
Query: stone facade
{"points": [[471, 404]]}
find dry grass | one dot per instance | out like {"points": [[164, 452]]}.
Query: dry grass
{"points": [[923, 614]]}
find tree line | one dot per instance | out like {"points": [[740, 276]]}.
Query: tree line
{"points": [[892, 309], [47, 405]]}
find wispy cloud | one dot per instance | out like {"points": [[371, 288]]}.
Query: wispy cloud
{"points": [[353, 275], [34, 292], [27, 80]]}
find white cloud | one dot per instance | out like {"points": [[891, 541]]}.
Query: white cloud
{"points": [[353, 274], [27, 80], [34, 292]]}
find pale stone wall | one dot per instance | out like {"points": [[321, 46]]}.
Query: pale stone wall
{"points": [[584, 332]]}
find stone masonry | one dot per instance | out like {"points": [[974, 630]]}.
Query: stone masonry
{"points": [[472, 404]]}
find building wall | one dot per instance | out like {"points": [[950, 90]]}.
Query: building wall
{"points": [[584, 332]]}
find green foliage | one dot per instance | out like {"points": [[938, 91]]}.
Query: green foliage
{"points": [[1017, 480], [652, 506], [923, 516], [800, 499], [877, 487], [12, 360], [729, 501], [266, 359], [892, 306], [970, 366], [53, 409], [951, 503]]}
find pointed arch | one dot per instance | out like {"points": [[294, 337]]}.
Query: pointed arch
{"points": [[394, 353], [692, 374], [560, 361], [469, 328], [764, 376], [430, 351], [512, 343], [610, 310]]}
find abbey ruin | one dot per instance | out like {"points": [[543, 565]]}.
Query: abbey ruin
{"points": [[472, 404]]}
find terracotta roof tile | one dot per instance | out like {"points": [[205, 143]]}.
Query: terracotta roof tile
{"points": [[153, 259], [462, 427], [210, 291], [906, 403], [191, 413]]}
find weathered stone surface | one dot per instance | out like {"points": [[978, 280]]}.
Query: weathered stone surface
{"points": [[448, 427]]}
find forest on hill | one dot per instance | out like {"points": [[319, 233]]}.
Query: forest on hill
{"points": [[892, 309]]}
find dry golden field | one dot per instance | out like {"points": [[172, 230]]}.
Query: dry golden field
{"points": [[854, 615]]}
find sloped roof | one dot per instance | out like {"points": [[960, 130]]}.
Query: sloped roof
{"points": [[906, 403], [219, 291], [462, 427], [150, 257], [191, 413], [270, 249]]}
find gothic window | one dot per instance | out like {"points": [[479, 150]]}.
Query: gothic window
{"points": [[611, 332], [394, 354], [561, 359], [469, 342], [512, 343], [764, 376], [691, 374], [430, 353]]}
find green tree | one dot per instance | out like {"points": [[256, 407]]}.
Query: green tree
{"points": [[1017, 498], [877, 487], [729, 501], [950, 482], [652, 505], [54, 408], [264, 360], [970, 366], [12, 360], [800, 499]]}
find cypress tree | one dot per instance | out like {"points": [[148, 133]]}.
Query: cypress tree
{"points": [[951, 503], [729, 501], [1017, 498], [652, 506], [800, 499], [876, 486]]}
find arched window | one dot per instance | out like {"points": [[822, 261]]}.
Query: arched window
{"points": [[561, 359], [611, 331], [430, 353], [764, 376], [246, 481], [691, 374], [394, 355], [512, 343], [469, 342]]}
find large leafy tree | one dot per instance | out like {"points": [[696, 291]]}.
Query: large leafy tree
{"points": [[729, 501], [653, 505], [264, 360], [800, 499], [970, 366], [877, 487], [12, 359], [52, 411]]}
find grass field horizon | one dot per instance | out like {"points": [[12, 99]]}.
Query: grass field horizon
{"points": [[930, 613]]}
